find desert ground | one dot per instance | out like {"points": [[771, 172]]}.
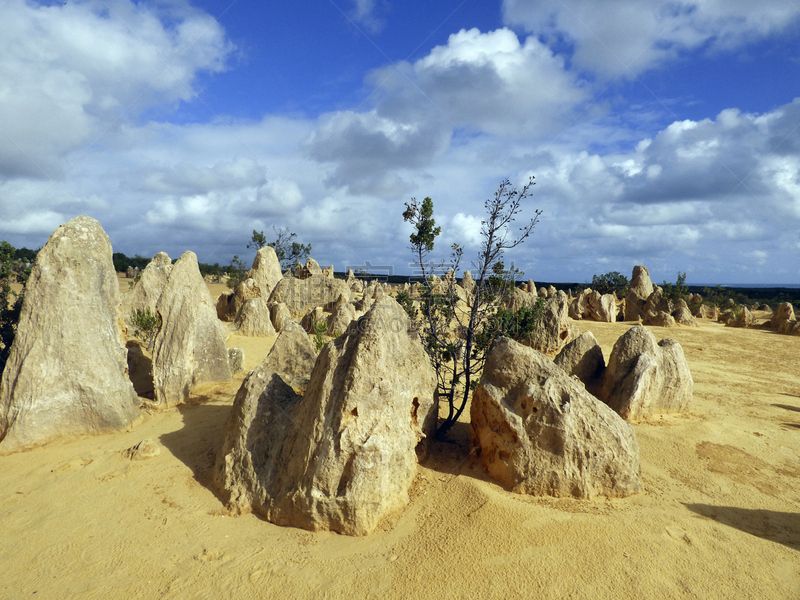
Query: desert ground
{"points": [[719, 517]]}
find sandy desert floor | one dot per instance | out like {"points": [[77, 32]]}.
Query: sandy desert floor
{"points": [[720, 517]]}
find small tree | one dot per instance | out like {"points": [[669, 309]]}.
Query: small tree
{"points": [[237, 272], [678, 291], [287, 250], [613, 281], [258, 241], [457, 336], [147, 324]]}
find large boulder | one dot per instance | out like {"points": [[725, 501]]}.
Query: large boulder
{"points": [[517, 298], [639, 291], [645, 378], [280, 315], [704, 311], [555, 329], [246, 290], [148, 289], [266, 271], [340, 319], [301, 295], [190, 347], [538, 431], [67, 374], [682, 314], [583, 358], [342, 456], [784, 320], [254, 318]]}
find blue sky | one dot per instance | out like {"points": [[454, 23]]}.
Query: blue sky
{"points": [[660, 133]]}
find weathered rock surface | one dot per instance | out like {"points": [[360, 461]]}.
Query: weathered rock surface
{"points": [[254, 318], [244, 291], [639, 291], [591, 304], [145, 293], [143, 450], [340, 319], [740, 317], [279, 313], [266, 271], [555, 328], [342, 456], [583, 358], [784, 320], [190, 348], [301, 295], [140, 369], [707, 312], [467, 282], [645, 378], [537, 431], [67, 373], [682, 314], [225, 307], [236, 360]]}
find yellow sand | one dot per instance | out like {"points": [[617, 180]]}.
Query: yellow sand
{"points": [[720, 517]]}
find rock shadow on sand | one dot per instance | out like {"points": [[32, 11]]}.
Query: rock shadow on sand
{"points": [[197, 442], [780, 527]]}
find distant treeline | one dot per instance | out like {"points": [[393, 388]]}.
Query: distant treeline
{"points": [[122, 262]]}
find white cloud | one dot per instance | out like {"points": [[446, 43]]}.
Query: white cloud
{"points": [[69, 72], [630, 36], [478, 83]]}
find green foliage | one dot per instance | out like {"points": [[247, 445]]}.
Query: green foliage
{"points": [[287, 250], [421, 216], [613, 281], [122, 262], [320, 332], [237, 272], [147, 324], [678, 291], [12, 270], [457, 335], [258, 241], [404, 299], [518, 326]]}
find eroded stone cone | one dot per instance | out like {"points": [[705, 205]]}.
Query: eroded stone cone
{"points": [[639, 291], [645, 378], [555, 329], [583, 358], [190, 347], [537, 431], [266, 271], [342, 456], [67, 371], [145, 293]]}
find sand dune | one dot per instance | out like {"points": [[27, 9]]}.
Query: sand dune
{"points": [[720, 517]]}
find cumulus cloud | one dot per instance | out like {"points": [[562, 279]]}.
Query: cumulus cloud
{"points": [[478, 83], [627, 37], [69, 72]]}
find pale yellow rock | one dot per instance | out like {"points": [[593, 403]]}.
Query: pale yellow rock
{"points": [[67, 373], [537, 431], [342, 456], [644, 378], [190, 348]]}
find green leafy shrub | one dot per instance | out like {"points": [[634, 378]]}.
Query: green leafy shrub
{"points": [[613, 281], [147, 324]]}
